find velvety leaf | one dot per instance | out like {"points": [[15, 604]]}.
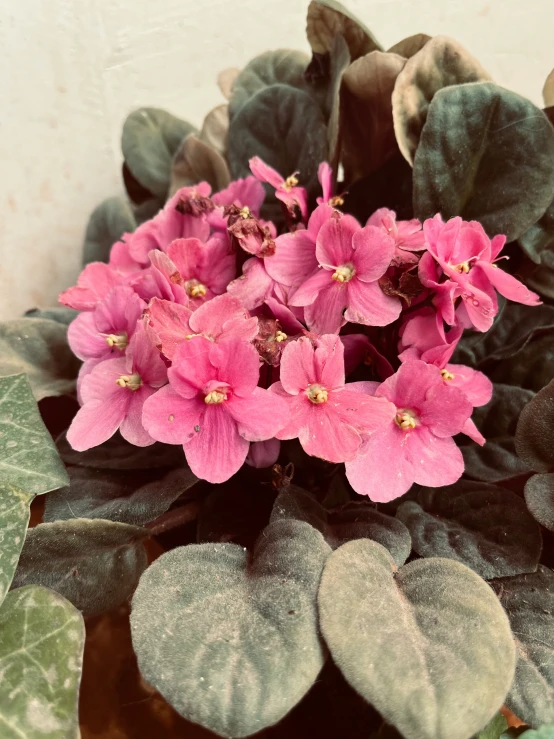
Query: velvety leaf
{"points": [[28, 457], [529, 602], [115, 496], [410, 45], [195, 161], [441, 62], [95, 564], [147, 210], [149, 140], [351, 521], [14, 519], [366, 126], [41, 652], [215, 129], [482, 526], [497, 421], [118, 454], [494, 729], [531, 367], [39, 348], [538, 241], [539, 496], [339, 61], [539, 278], [329, 18], [226, 79], [535, 431], [273, 125], [475, 137], [107, 224], [244, 627], [280, 67], [61, 314], [428, 645], [548, 90]]}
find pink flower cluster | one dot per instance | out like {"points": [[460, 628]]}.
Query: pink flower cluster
{"points": [[209, 330]]}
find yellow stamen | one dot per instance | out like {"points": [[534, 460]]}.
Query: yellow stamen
{"points": [[344, 273], [336, 201], [195, 289], [462, 268], [406, 419], [245, 212], [131, 382], [119, 341], [280, 336], [317, 394], [446, 375], [291, 181], [214, 397]]}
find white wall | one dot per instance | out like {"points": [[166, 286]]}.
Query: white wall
{"points": [[70, 70]]}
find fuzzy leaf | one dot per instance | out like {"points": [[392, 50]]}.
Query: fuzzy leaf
{"points": [[28, 457], [535, 431], [149, 139], [244, 627], [539, 278], [215, 129], [475, 137], [494, 729], [531, 367], [14, 519], [95, 564], [538, 241], [41, 655], [107, 224], [60, 313], [195, 161], [539, 496], [117, 496], [329, 18], [529, 602], [482, 526], [425, 644], [409, 46], [497, 421], [441, 62], [351, 521], [39, 348]]}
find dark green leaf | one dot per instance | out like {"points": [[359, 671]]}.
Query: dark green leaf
{"points": [[195, 161], [231, 641], [497, 421], [529, 602], [352, 521], [95, 564], [38, 347], [544, 732], [475, 137], [535, 431], [482, 526], [115, 496], [539, 278], [429, 645], [60, 313], [107, 224], [329, 18], [538, 241], [531, 367], [494, 729], [41, 655], [149, 140], [28, 457], [14, 519], [539, 496]]}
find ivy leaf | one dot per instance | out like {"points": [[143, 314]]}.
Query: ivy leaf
{"points": [[482, 526], [14, 519], [497, 421], [28, 457], [118, 454], [351, 521], [441, 62], [41, 653], [149, 139], [489, 133], [426, 645], [245, 627], [38, 347], [117, 496], [106, 225], [95, 564], [535, 431], [529, 603], [329, 18]]}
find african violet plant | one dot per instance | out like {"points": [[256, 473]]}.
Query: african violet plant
{"points": [[313, 443]]}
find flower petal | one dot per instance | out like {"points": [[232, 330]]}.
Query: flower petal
{"points": [[507, 285], [298, 369], [329, 361], [259, 416], [170, 418], [334, 244], [368, 304], [474, 384], [374, 251], [131, 427], [294, 259], [327, 437], [435, 462]]}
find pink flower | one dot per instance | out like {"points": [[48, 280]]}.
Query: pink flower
{"points": [[408, 236], [416, 445], [263, 453], [327, 416], [93, 284], [351, 260], [170, 324], [325, 177], [213, 407], [286, 190], [113, 394], [106, 331], [254, 286], [254, 236], [243, 193], [121, 259], [463, 252]]}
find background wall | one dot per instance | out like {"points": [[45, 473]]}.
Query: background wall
{"points": [[72, 69]]}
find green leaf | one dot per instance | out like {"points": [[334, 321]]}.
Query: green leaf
{"points": [[531, 367], [149, 140], [535, 431], [538, 241], [494, 729], [244, 627], [59, 313], [482, 526], [329, 18], [39, 348], [475, 137], [529, 603], [539, 278], [195, 161], [543, 732], [497, 421], [41, 655], [14, 519], [95, 564], [539, 496], [106, 225], [352, 521], [125, 497], [28, 457], [441, 62], [428, 645]]}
